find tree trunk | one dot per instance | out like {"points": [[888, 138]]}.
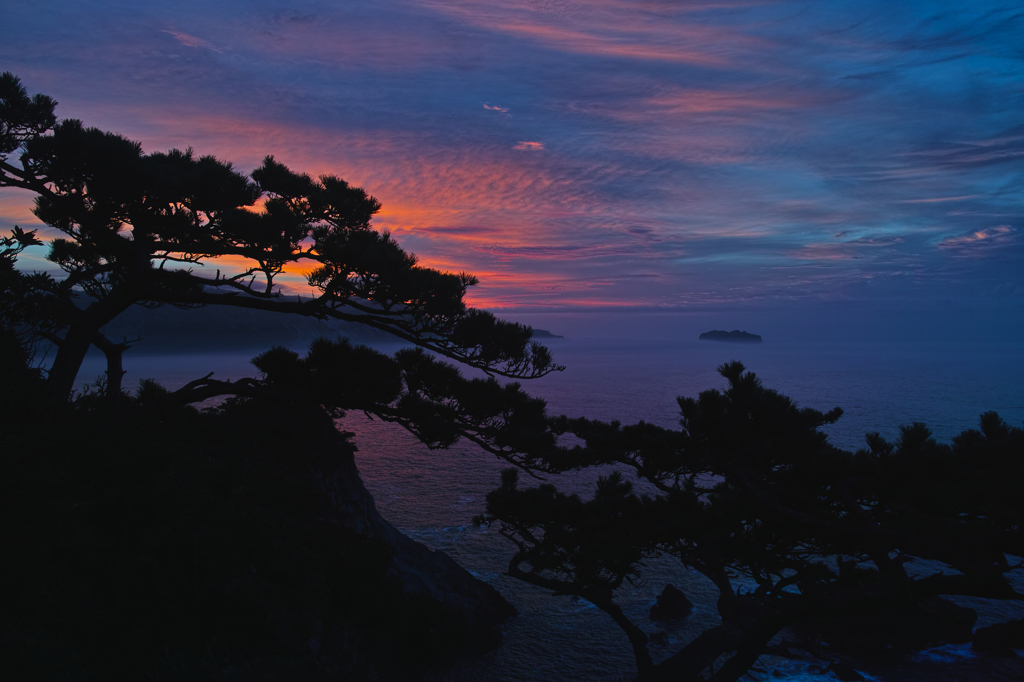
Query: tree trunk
{"points": [[115, 373], [744, 634], [637, 638], [66, 364], [700, 653], [755, 641], [83, 332], [115, 369]]}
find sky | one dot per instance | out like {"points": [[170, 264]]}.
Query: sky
{"points": [[730, 161]]}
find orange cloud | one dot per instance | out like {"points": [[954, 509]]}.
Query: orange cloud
{"points": [[992, 235], [432, 191]]}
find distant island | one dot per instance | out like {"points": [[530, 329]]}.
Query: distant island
{"points": [[545, 334], [735, 336]]}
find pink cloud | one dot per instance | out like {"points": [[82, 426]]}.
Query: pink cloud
{"points": [[824, 252], [847, 250], [682, 101], [612, 29], [16, 209], [939, 200], [582, 42], [434, 194], [192, 41]]}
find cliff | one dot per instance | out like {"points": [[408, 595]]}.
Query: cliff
{"points": [[229, 544]]}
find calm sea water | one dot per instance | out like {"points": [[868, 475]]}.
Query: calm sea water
{"points": [[432, 495]]}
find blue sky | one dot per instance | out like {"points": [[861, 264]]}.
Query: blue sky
{"points": [[602, 155]]}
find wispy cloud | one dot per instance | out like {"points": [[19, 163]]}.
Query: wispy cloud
{"points": [[725, 150], [192, 41], [940, 200], [972, 242]]}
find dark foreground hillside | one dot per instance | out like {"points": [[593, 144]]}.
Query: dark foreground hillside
{"points": [[229, 544]]}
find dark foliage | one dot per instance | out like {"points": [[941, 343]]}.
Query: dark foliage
{"points": [[208, 551], [789, 529], [148, 540]]}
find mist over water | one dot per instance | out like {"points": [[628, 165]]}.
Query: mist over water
{"points": [[433, 495]]}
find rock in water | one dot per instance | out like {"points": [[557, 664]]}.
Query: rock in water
{"points": [[844, 673], [930, 623], [1001, 638], [671, 605]]}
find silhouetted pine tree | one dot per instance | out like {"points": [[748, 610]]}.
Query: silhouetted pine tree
{"points": [[134, 224], [791, 530]]}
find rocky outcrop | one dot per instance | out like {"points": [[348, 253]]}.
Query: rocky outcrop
{"points": [[930, 623], [240, 539], [672, 604], [1001, 638], [844, 672], [420, 570]]}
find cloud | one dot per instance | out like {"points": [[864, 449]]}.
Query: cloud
{"points": [[721, 106], [988, 150], [824, 252], [569, 252], [877, 241], [16, 206], [616, 30], [940, 200], [981, 239], [1006, 290], [192, 41], [729, 149], [295, 18]]}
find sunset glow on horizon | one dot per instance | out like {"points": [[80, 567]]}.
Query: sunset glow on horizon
{"points": [[596, 155]]}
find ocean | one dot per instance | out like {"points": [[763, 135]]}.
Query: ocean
{"points": [[433, 495]]}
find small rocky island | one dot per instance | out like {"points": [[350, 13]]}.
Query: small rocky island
{"points": [[545, 334], [735, 336]]}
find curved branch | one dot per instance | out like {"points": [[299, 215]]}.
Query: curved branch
{"points": [[316, 308], [637, 637]]}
